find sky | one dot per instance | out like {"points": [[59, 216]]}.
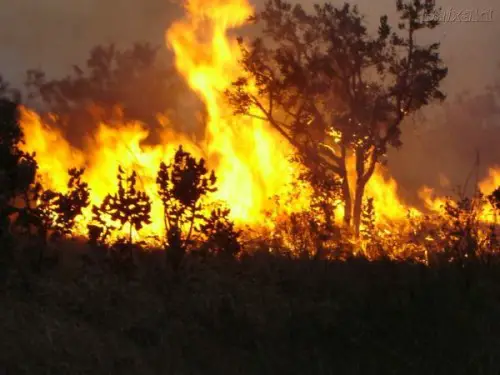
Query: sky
{"points": [[55, 34]]}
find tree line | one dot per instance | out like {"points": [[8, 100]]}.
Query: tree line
{"points": [[332, 89], [184, 184]]}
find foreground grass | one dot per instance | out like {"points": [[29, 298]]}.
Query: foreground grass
{"points": [[262, 315]]}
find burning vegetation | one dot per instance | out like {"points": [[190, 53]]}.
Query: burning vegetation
{"points": [[234, 213], [289, 152]]}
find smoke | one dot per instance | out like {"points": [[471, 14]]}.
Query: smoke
{"points": [[55, 34]]}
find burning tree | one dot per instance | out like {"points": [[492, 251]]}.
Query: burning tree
{"points": [[59, 211], [335, 92], [133, 80], [183, 186], [128, 206], [494, 199]]}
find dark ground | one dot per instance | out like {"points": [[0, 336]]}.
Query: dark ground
{"points": [[263, 315]]}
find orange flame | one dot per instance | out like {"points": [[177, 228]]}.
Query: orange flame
{"points": [[250, 159], [253, 159], [487, 186]]}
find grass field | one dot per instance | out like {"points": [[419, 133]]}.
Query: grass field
{"points": [[261, 315]]}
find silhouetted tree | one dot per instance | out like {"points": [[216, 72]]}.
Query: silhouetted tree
{"points": [[336, 92], [133, 80], [127, 206], [48, 215], [182, 185], [8, 92], [368, 230], [494, 198], [58, 211], [17, 168]]}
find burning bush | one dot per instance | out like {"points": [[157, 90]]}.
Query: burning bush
{"points": [[183, 187], [126, 207], [336, 93], [300, 115]]}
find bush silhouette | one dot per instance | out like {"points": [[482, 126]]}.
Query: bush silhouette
{"points": [[494, 199], [59, 211], [183, 187], [126, 207], [17, 168], [221, 238]]}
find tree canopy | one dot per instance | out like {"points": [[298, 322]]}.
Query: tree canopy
{"points": [[334, 91], [133, 83]]}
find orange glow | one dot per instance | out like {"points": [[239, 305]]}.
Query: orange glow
{"points": [[487, 186], [251, 160], [490, 183]]}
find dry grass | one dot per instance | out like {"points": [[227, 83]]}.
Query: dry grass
{"points": [[262, 315]]}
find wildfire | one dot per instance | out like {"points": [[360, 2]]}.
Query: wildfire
{"points": [[251, 160], [490, 183], [487, 186], [386, 202]]}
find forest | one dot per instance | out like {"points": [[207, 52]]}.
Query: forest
{"points": [[233, 211]]}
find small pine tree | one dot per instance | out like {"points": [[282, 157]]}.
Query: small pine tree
{"points": [[127, 207], [182, 186]]}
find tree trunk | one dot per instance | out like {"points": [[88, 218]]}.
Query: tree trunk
{"points": [[175, 249], [363, 175], [346, 194], [358, 206]]}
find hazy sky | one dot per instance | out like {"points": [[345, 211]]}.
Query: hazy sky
{"points": [[53, 34]]}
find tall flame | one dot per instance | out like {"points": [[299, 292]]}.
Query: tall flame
{"points": [[251, 160]]}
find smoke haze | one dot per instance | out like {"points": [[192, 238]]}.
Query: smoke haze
{"points": [[55, 34]]}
